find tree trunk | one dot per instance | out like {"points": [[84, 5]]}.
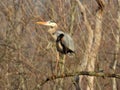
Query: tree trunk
{"points": [[93, 43], [116, 48], [94, 49]]}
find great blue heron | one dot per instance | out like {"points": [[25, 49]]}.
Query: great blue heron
{"points": [[64, 42]]}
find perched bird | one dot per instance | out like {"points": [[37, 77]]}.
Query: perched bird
{"points": [[64, 42]]}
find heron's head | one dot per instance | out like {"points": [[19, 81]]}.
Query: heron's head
{"points": [[48, 23]]}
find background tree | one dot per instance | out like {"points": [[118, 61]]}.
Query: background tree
{"points": [[28, 53]]}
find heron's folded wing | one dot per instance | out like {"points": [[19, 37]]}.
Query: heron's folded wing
{"points": [[68, 42]]}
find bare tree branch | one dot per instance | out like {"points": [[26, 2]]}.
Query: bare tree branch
{"points": [[88, 73]]}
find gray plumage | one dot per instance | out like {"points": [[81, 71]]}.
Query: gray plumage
{"points": [[64, 42]]}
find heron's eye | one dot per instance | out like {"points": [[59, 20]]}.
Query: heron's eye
{"points": [[51, 27], [51, 21]]}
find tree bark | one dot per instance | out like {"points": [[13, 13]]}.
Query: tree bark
{"points": [[117, 38], [94, 49], [93, 43], [96, 43]]}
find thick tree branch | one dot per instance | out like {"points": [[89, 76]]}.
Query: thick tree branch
{"points": [[88, 73]]}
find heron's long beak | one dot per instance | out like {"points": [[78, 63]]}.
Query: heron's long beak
{"points": [[48, 23], [42, 23]]}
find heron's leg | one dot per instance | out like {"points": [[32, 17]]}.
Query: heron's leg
{"points": [[61, 71], [56, 71], [57, 61], [63, 64]]}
